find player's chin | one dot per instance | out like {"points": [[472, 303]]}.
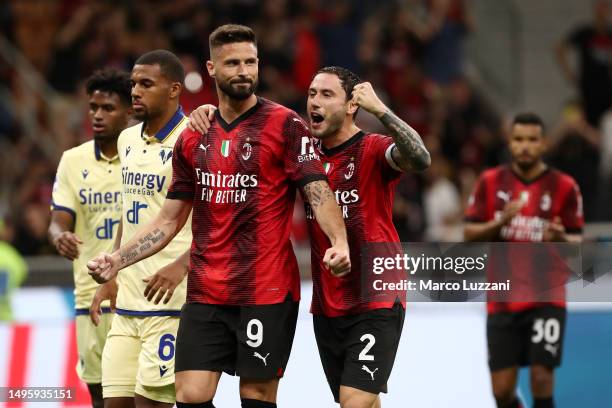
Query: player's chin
{"points": [[318, 130]]}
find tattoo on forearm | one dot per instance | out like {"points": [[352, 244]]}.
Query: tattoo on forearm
{"points": [[412, 152], [317, 193], [129, 254]]}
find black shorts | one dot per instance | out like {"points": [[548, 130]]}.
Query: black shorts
{"points": [[248, 341], [531, 337], [359, 350]]}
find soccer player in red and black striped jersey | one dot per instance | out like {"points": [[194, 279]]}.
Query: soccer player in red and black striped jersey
{"points": [[240, 178], [357, 337], [525, 201]]}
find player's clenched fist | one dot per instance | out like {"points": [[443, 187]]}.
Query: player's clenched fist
{"points": [[365, 97], [337, 259], [103, 268], [67, 245]]}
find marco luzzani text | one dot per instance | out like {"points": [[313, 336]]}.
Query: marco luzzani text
{"points": [[412, 265]]}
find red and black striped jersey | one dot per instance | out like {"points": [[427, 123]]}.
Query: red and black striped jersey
{"points": [[364, 183], [550, 195], [242, 178]]}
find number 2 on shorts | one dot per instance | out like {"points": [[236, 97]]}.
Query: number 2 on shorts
{"points": [[371, 340]]}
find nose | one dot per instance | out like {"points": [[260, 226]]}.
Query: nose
{"points": [[242, 69], [136, 92], [97, 114], [314, 101]]}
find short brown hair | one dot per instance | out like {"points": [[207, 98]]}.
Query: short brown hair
{"points": [[231, 33]]}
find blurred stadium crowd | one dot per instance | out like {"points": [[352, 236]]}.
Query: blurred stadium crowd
{"points": [[412, 51]]}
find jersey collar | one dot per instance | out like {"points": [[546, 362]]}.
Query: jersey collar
{"points": [[168, 128], [335, 150], [100, 156], [229, 126], [533, 180]]}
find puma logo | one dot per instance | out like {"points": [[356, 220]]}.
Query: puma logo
{"points": [[262, 358], [367, 370], [205, 148], [551, 349], [504, 196]]}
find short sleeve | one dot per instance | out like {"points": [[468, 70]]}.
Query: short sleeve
{"points": [[301, 162], [381, 148], [572, 216], [183, 183], [64, 198], [476, 210]]}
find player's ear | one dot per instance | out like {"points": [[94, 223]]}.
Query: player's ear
{"points": [[352, 107], [210, 67], [175, 89]]}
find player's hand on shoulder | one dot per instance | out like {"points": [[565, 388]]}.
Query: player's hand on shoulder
{"points": [[67, 245], [103, 268], [365, 97], [201, 118], [337, 259], [164, 282], [107, 291]]}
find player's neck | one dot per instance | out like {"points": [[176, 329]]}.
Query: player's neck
{"points": [[154, 125], [531, 173], [230, 109], [107, 147], [342, 135]]}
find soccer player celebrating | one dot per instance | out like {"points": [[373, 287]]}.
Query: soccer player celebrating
{"points": [[357, 338], [240, 178], [138, 359], [86, 209], [351, 330], [525, 201]]}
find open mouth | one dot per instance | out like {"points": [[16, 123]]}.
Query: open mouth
{"points": [[316, 118]]}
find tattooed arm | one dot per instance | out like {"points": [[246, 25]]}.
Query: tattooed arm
{"points": [[328, 215], [409, 153], [148, 241]]}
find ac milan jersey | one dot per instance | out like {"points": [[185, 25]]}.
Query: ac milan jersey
{"points": [[242, 178], [552, 194], [364, 183]]}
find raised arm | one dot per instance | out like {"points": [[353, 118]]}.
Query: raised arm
{"points": [[409, 153]]}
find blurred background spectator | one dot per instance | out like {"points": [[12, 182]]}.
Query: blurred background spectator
{"points": [[592, 76], [413, 52], [13, 270]]}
